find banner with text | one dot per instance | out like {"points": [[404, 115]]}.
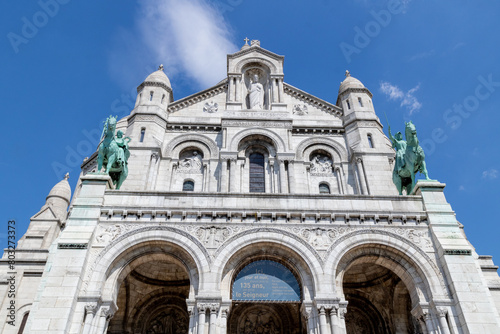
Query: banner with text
{"points": [[268, 281]]}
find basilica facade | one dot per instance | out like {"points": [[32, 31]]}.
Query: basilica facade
{"points": [[249, 207]]}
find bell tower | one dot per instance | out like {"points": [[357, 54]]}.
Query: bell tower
{"points": [[370, 151]]}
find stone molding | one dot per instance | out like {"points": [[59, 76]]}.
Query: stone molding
{"points": [[265, 124], [192, 139], [198, 97], [313, 100]]}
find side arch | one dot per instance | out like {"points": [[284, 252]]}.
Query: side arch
{"points": [[259, 60], [338, 152], [208, 146], [276, 139], [415, 268], [111, 264], [268, 242]]}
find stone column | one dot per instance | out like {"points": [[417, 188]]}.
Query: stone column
{"points": [[322, 320], [201, 318], [105, 315], [340, 181], [361, 176], [191, 319], [223, 321], [153, 169], [280, 90], [428, 323], [223, 176], [283, 177], [238, 89], [214, 308], [233, 182], [275, 90], [291, 176], [341, 314], [90, 310], [442, 320], [334, 320], [230, 89]]}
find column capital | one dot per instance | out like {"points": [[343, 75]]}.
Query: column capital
{"points": [[91, 308]]}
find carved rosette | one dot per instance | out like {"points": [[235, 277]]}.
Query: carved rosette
{"points": [[300, 109], [211, 107]]}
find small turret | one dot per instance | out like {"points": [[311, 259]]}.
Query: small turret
{"points": [[59, 197], [354, 97], [154, 92]]}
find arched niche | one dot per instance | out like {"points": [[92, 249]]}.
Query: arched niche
{"points": [[253, 75]]}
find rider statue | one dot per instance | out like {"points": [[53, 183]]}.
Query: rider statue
{"points": [[400, 145], [113, 153], [410, 159]]}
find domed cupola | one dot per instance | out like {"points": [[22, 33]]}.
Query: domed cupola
{"points": [[353, 95], [60, 196], [349, 82], [155, 91]]}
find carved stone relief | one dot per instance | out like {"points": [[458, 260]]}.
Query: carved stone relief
{"points": [[300, 109], [213, 237], [190, 163], [211, 107], [171, 322], [321, 165]]}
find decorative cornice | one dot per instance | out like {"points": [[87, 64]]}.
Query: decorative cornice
{"points": [[154, 84], [313, 100], [198, 97]]}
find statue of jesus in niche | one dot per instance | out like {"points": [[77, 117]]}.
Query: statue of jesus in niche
{"points": [[256, 94]]}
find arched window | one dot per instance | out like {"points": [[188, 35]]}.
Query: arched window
{"points": [[143, 132], [324, 188], [23, 323], [370, 141], [257, 175], [188, 185], [151, 96], [162, 98]]}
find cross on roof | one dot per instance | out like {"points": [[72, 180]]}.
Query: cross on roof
{"points": [[246, 40]]}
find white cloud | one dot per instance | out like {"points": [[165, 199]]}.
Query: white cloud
{"points": [[188, 36], [490, 174], [407, 99], [422, 55]]}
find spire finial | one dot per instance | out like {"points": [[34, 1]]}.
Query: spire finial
{"points": [[246, 40], [347, 73], [66, 177], [160, 68]]}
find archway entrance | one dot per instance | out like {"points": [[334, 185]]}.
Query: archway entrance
{"points": [[266, 300], [378, 301], [152, 298]]}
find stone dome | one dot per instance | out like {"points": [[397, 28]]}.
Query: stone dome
{"points": [[159, 76], [61, 190], [350, 82]]}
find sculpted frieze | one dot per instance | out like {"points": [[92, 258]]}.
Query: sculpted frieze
{"points": [[267, 124]]}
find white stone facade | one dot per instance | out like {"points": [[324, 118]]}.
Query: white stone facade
{"points": [[276, 175]]}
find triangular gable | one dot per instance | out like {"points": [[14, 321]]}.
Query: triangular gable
{"points": [[45, 213], [312, 100]]}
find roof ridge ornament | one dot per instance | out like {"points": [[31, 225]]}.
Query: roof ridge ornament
{"points": [[347, 73], [66, 176], [246, 40], [255, 42], [160, 68]]}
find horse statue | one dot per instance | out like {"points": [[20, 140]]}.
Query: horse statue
{"points": [[113, 153], [410, 159]]}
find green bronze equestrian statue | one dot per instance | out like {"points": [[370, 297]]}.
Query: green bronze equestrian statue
{"points": [[113, 153], [410, 159]]}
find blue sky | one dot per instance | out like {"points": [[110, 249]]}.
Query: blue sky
{"points": [[66, 65]]}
